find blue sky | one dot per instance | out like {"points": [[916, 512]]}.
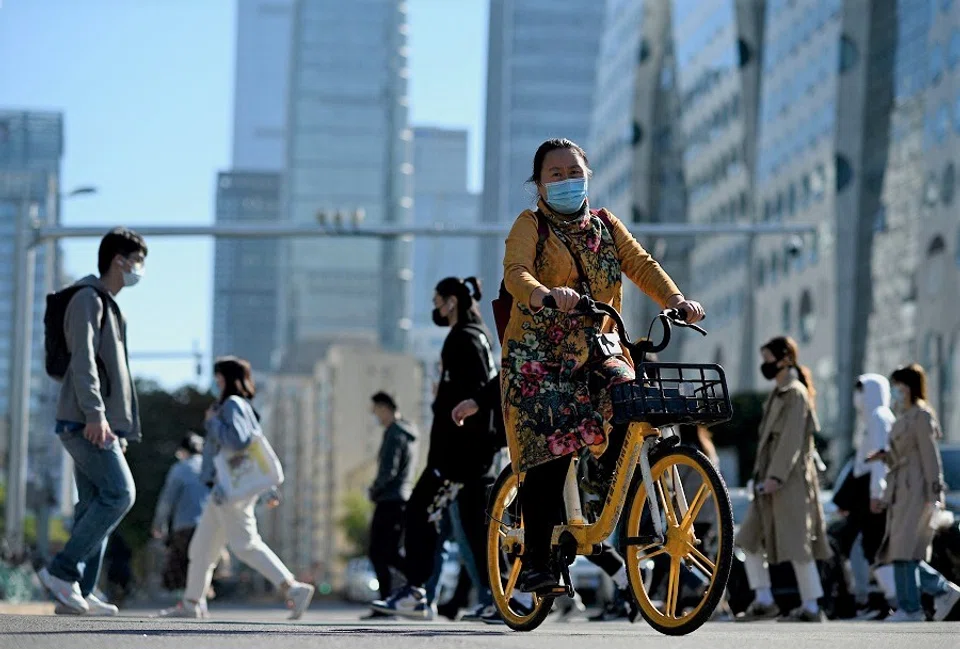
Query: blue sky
{"points": [[146, 89]]}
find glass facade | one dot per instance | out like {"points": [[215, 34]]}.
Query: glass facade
{"points": [[348, 148], [541, 73], [246, 270]]}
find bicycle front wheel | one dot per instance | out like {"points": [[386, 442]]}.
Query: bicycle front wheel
{"points": [[686, 574], [504, 556]]}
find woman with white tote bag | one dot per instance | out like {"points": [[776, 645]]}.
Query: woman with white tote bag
{"points": [[239, 465]]}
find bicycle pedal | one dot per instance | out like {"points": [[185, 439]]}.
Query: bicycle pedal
{"points": [[555, 591]]}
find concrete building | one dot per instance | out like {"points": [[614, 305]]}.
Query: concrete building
{"points": [[317, 415], [541, 73], [718, 48], [246, 270], [938, 279], [348, 147], [31, 149], [636, 140]]}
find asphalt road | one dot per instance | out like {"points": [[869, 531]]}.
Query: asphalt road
{"points": [[337, 628]]}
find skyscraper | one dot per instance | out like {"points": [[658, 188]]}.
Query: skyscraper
{"points": [[31, 149], [246, 281], [718, 46], [348, 148], [636, 140], [245, 270], [938, 318], [440, 196], [541, 72]]}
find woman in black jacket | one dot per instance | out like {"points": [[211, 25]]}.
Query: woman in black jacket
{"points": [[459, 459]]}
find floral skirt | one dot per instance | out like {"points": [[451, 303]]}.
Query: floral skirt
{"points": [[550, 412]]}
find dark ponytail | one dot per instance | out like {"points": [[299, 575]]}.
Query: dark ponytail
{"points": [[467, 292]]}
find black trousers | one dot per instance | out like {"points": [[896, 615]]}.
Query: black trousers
{"points": [[542, 503], [862, 521], [422, 537], [386, 532]]}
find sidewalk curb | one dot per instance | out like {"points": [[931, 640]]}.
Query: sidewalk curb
{"points": [[26, 608]]}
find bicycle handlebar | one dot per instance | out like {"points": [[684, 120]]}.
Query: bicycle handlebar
{"points": [[667, 318]]}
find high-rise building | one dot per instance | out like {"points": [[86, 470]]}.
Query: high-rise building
{"points": [[246, 281], [717, 49], [636, 140], [261, 85], [892, 324], [826, 116], [246, 270], [440, 196], [938, 282], [348, 148], [31, 149], [541, 72]]}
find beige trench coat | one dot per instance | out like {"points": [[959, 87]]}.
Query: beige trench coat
{"points": [[914, 484], [787, 525]]}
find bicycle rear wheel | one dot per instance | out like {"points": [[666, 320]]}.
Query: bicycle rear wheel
{"points": [[504, 557], [692, 498]]}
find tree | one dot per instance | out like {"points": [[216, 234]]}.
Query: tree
{"points": [[355, 524], [165, 419]]}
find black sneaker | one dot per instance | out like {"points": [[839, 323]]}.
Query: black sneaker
{"points": [[376, 615], [492, 616], [622, 607], [536, 579]]}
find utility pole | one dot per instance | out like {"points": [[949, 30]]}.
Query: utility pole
{"points": [[31, 234]]}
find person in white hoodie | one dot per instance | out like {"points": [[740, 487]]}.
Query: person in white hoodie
{"points": [[859, 497]]}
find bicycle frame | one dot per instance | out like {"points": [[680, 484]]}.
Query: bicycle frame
{"points": [[640, 438]]}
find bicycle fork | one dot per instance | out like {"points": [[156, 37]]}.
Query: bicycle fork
{"points": [[658, 524]]}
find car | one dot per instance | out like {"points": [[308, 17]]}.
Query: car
{"points": [[360, 581]]}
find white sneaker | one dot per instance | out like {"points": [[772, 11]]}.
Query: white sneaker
{"points": [[902, 616], [65, 592], [945, 603], [183, 609], [299, 596], [97, 608]]}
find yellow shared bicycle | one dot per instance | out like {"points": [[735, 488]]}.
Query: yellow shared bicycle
{"points": [[677, 534]]}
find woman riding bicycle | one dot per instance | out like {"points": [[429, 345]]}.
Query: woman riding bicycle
{"points": [[555, 373]]}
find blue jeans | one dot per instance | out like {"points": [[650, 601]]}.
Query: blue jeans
{"points": [[106, 492], [905, 575]]}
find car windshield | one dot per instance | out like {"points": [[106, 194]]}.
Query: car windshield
{"points": [[951, 467]]}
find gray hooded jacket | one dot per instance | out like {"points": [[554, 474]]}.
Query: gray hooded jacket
{"points": [[98, 385], [873, 431]]}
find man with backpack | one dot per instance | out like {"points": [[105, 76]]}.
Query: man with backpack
{"points": [[97, 414]]}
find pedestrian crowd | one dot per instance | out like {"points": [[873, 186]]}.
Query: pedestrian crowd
{"points": [[547, 399]]}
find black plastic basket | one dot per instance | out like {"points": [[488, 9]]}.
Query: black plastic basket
{"points": [[666, 394]]}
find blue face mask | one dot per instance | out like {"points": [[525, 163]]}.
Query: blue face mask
{"points": [[567, 196]]}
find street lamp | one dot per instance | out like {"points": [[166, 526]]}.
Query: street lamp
{"points": [[25, 263]]}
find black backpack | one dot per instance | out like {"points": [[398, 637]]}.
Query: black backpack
{"points": [[57, 355]]}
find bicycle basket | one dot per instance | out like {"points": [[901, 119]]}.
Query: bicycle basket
{"points": [[665, 394]]}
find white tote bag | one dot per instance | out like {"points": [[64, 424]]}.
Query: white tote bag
{"points": [[248, 473]]}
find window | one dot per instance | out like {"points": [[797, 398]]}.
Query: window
{"points": [[880, 219], [935, 265], [936, 63], [948, 183], [808, 319], [849, 55], [787, 319]]}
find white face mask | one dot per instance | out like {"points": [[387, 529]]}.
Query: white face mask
{"points": [[133, 276], [898, 399]]}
